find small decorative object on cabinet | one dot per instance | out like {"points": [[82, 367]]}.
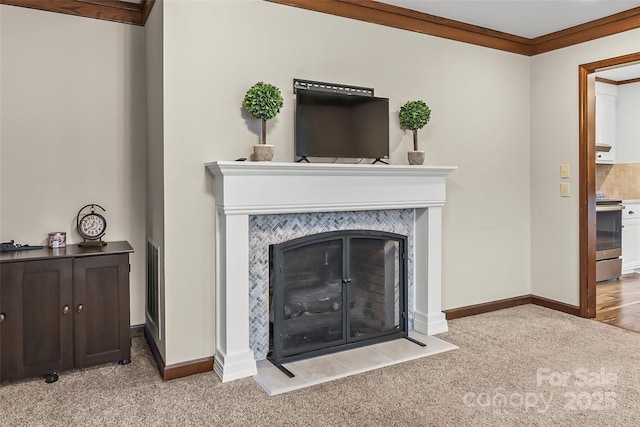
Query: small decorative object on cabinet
{"points": [[91, 225], [415, 115], [57, 240], [263, 101], [63, 310]]}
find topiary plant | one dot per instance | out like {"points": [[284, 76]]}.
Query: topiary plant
{"points": [[263, 101], [414, 115]]}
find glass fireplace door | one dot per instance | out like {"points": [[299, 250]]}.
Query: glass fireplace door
{"points": [[374, 288], [313, 298]]}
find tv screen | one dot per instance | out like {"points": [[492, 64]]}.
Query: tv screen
{"points": [[341, 125]]}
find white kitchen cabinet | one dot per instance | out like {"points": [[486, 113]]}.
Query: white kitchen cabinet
{"points": [[627, 123], [630, 237], [606, 95]]}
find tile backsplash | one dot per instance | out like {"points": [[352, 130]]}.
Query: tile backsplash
{"points": [[619, 181]]}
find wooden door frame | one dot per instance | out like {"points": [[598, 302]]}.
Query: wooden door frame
{"points": [[587, 162]]}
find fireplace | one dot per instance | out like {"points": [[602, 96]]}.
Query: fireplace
{"points": [[249, 190], [336, 290]]}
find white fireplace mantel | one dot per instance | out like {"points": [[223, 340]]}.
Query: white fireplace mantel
{"points": [[258, 188]]}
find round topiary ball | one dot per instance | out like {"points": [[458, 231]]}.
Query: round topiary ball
{"points": [[414, 115], [263, 101]]}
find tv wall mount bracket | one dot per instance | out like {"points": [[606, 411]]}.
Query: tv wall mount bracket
{"points": [[299, 84]]}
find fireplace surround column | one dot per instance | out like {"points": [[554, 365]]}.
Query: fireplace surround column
{"points": [[428, 316], [242, 189], [234, 358]]}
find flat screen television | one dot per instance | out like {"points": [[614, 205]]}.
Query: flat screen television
{"points": [[341, 125]]}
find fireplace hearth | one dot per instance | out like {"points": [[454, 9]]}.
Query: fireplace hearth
{"points": [[336, 290]]}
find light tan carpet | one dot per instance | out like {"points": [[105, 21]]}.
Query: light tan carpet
{"points": [[522, 366]]}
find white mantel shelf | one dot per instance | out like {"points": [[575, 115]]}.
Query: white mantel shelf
{"points": [[259, 188], [324, 187]]}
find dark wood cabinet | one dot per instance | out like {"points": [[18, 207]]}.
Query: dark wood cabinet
{"points": [[36, 334], [63, 308], [101, 298]]}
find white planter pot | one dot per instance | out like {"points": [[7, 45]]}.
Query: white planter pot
{"points": [[416, 157], [263, 152]]}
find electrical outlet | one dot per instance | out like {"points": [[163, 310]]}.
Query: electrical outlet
{"points": [[564, 189], [564, 170]]}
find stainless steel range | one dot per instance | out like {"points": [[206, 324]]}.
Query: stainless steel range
{"points": [[608, 239]]}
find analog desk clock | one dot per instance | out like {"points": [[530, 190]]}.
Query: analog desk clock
{"points": [[91, 225]]}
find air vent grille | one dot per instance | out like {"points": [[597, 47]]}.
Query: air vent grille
{"points": [[152, 306]]}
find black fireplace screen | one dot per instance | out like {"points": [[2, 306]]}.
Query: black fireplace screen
{"points": [[335, 290]]}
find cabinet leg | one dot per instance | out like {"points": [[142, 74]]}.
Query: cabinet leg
{"points": [[125, 362], [51, 378]]}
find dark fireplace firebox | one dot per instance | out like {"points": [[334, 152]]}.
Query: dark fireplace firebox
{"points": [[336, 290]]}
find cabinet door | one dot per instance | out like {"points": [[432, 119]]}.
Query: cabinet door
{"points": [[101, 298], [37, 331], [606, 122], [3, 317], [630, 244]]}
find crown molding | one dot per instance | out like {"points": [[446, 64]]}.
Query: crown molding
{"points": [[406, 19], [607, 81], [397, 17], [374, 12], [617, 83], [607, 26], [108, 10], [626, 82]]}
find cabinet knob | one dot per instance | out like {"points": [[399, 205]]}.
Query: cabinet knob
{"points": [[65, 309], [631, 212], [2, 317], [80, 308]]}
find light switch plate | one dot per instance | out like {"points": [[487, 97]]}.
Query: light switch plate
{"points": [[564, 189], [564, 170]]}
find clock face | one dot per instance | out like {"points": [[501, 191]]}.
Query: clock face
{"points": [[92, 226]]}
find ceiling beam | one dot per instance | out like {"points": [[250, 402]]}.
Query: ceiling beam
{"points": [[109, 10]]}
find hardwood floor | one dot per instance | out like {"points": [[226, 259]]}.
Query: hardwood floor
{"points": [[618, 302]]}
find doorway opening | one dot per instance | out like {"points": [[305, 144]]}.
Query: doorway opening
{"points": [[587, 173]]}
